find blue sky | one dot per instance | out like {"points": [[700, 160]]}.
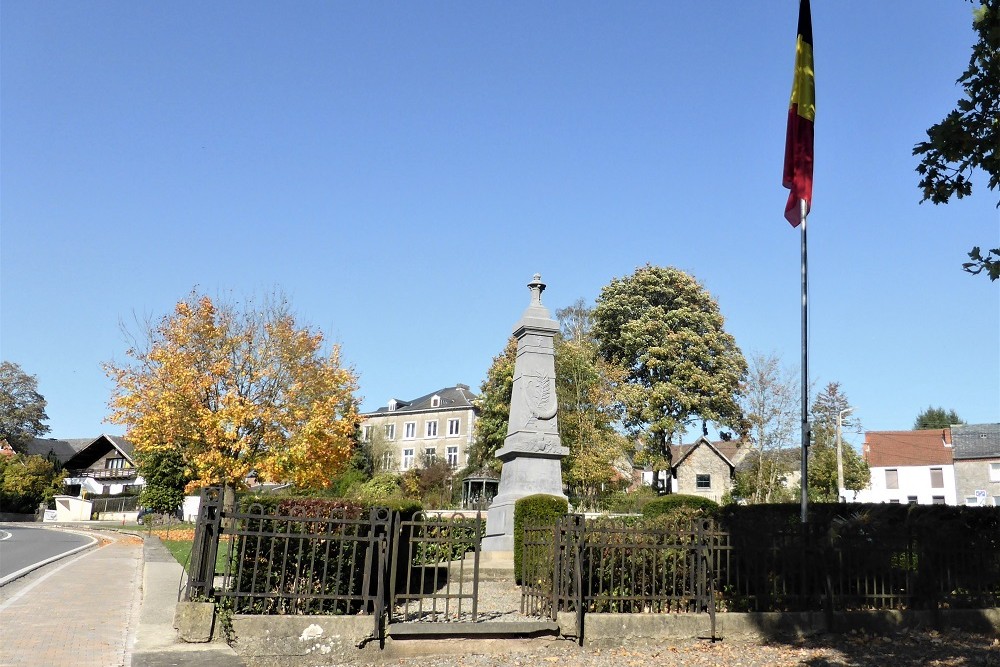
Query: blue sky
{"points": [[400, 170]]}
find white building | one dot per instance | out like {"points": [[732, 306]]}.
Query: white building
{"points": [[913, 467]]}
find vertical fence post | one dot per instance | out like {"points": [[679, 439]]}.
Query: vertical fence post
{"points": [[707, 578], [581, 524], [201, 576]]}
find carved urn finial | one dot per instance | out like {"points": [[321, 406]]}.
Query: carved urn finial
{"points": [[537, 287]]}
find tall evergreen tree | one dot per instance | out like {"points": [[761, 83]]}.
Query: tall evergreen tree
{"points": [[936, 418]]}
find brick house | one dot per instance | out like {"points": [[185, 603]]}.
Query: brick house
{"points": [[909, 467], [977, 463], [434, 427]]}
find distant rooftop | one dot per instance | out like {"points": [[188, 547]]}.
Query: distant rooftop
{"points": [[449, 398]]}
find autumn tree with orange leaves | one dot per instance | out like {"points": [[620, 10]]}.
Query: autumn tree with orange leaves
{"points": [[237, 388]]}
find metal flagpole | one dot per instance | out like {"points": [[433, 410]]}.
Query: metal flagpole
{"points": [[805, 368]]}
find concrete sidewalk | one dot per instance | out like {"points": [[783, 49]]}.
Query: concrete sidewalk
{"points": [[156, 642], [75, 611]]}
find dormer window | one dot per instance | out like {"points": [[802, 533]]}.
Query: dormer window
{"points": [[392, 405], [435, 401]]}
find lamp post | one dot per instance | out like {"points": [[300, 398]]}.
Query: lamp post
{"points": [[841, 492]]}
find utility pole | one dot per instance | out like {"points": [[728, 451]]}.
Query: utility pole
{"points": [[841, 492]]}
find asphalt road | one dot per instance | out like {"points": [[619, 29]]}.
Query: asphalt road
{"points": [[21, 547]]}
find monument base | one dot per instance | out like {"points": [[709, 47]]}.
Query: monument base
{"points": [[521, 476]]}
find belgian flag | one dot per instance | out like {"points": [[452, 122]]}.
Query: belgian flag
{"points": [[798, 176]]}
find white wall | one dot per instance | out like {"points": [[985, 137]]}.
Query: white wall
{"points": [[913, 481]]}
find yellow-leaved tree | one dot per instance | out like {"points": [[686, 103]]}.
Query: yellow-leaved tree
{"points": [[237, 389]]}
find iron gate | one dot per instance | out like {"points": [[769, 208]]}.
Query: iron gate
{"points": [[435, 568]]}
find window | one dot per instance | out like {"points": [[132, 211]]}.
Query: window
{"points": [[453, 456], [894, 502], [453, 427], [995, 472], [432, 429], [891, 478], [970, 501], [911, 500], [387, 461], [937, 500], [996, 501], [366, 434], [390, 431], [407, 459], [937, 478], [409, 430], [430, 455], [114, 464], [435, 401], [703, 481]]}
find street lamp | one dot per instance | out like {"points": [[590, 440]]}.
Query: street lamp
{"points": [[841, 492]]}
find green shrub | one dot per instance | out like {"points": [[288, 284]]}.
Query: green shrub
{"points": [[532, 511], [378, 490], [629, 502], [681, 506]]}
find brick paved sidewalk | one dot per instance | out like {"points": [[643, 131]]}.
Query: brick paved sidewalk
{"points": [[77, 611]]}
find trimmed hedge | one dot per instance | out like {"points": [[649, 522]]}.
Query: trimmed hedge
{"points": [[679, 503], [537, 510]]}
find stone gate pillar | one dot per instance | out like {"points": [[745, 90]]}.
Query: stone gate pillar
{"points": [[531, 452]]}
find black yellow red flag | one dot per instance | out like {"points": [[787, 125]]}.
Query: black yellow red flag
{"points": [[798, 174]]}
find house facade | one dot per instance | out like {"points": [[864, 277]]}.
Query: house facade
{"points": [[977, 463], [704, 468], [100, 466], [434, 427], [914, 467]]}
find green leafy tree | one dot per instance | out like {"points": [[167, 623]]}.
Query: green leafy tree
{"points": [[28, 481], [969, 136], [165, 477], [588, 411], [665, 331], [493, 404], [22, 408], [823, 449], [933, 418]]}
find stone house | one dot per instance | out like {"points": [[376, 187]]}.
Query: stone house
{"points": [[977, 463], [434, 427], [913, 467], [704, 468]]}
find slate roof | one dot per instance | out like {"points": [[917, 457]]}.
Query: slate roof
{"points": [[730, 450], [62, 450], [976, 441], [65, 450], [452, 398], [908, 448]]}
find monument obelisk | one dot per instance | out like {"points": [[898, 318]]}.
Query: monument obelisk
{"points": [[531, 452]]}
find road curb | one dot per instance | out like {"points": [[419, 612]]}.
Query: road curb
{"points": [[34, 566]]}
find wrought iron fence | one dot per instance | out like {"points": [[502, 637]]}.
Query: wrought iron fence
{"points": [[433, 579], [615, 566], [290, 564], [798, 569]]}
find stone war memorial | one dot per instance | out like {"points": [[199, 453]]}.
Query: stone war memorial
{"points": [[532, 451]]}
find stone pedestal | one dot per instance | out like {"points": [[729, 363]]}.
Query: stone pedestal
{"points": [[532, 451]]}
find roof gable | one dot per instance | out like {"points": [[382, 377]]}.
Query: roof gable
{"points": [[99, 447], [908, 448], [724, 450]]}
